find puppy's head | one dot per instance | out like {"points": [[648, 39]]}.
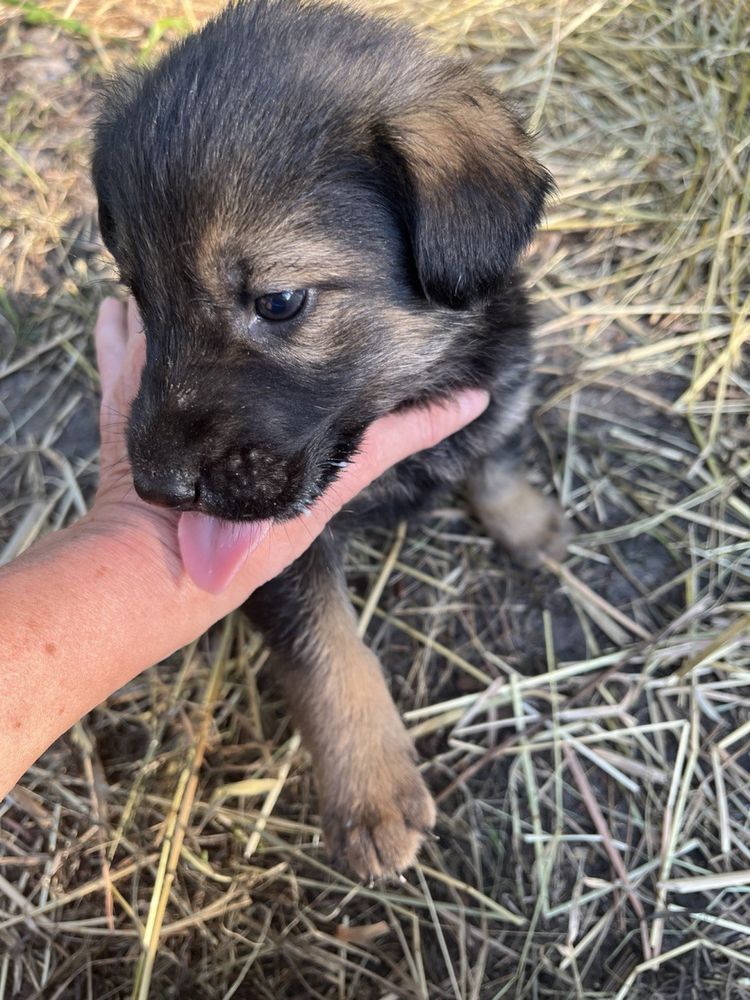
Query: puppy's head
{"points": [[311, 209]]}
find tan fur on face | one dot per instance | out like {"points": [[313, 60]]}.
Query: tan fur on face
{"points": [[346, 286], [376, 807]]}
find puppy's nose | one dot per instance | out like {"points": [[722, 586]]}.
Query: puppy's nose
{"points": [[165, 487]]}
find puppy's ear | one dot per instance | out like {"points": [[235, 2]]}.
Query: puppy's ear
{"points": [[466, 186], [115, 152]]}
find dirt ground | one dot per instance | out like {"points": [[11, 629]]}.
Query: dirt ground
{"points": [[584, 726]]}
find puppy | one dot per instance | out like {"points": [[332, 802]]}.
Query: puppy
{"points": [[320, 219]]}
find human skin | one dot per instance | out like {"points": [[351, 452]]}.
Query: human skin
{"points": [[89, 607]]}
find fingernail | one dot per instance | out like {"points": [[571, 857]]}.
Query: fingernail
{"points": [[110, 310], [472, 402]]}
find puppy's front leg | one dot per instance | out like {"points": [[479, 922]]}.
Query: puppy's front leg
{"points": [[375, 805], [523, 520]]}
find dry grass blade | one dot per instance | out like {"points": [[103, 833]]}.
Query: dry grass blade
{"points": [[703, 883], [579, 776], [272, 797], [470, 890], [373, 598]]}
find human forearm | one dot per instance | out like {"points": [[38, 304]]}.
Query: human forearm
{"points": [[84, 611]]}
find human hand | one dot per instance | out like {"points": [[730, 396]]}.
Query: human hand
{"points": [[121, 353], [120, 356]]}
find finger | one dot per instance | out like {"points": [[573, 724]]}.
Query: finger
{"points": [[110, 335], [135, 323], [135, 359], [135, 356], [394, 438], [390, 440], [398, 435]]}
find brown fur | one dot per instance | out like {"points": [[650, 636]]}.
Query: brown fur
{"points": [[447, 140], [375, 806]]}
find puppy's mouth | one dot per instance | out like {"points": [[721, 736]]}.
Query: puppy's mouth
{"points": [[213, 549]]}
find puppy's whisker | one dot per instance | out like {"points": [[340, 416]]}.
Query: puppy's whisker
{"points": [[112, 409]]}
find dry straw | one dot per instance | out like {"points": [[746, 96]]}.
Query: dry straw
{"points": [[585, 726]]}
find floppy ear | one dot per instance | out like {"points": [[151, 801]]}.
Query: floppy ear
{"points": [[466, 186]]}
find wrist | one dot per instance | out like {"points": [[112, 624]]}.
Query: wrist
{"points": [[138, 533], [131, 535]]}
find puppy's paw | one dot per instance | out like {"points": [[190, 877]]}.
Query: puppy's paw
{"points": [[524, 521], [378, 833], [540, 529]]}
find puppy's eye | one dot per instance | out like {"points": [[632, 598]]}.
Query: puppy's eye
{"points": [[281, 305]]}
